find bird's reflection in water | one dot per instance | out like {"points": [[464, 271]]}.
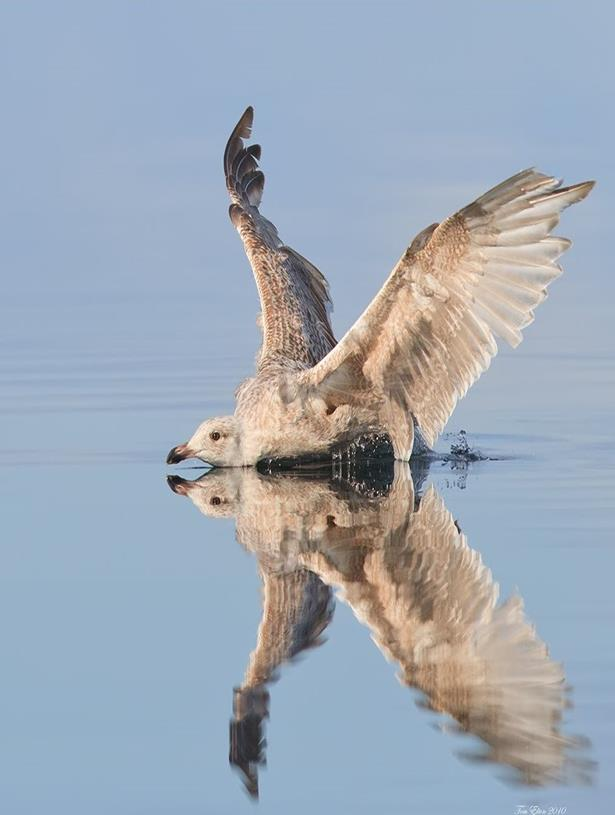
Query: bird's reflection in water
{"points": [[403, 565]]}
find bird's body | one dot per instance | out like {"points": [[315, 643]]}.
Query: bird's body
{"points": [[273, 426], [424, 339]]}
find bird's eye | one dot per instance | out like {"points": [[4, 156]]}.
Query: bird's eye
{"points": [[214, 435], [215, 501]]}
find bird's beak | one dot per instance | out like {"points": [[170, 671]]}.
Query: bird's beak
{"points": [[179, 453], [179, 485]]}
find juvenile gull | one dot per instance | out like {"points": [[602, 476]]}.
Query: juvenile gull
{"points": [[414, 352]]}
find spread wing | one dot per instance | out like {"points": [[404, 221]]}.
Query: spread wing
{"points": [[432, 606], [294, 295], [430, 332]]}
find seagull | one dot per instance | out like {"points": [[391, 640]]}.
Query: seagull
{"points": [[428, 335]]}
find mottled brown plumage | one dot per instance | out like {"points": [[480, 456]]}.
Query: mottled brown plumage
{"points": [[294, 294], [421, 343]]}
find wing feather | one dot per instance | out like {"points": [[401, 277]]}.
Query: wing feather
{"points": [[430, 332], [294, 295]]}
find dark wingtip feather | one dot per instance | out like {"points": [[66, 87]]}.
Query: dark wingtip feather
{"points": [[242, 130], [244, 180], [244, 125], [585, 187], [235, 213], [253, 184]]}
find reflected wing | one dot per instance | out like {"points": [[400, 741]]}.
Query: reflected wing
{"points": [[294, 295], [297, 608], [477, 660], [432, 606], [430, 332]]}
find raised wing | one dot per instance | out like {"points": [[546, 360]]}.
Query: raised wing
{"points": [[294, 295], [430, 332]]}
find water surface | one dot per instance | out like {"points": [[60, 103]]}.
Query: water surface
{"points": [[129, 617]]}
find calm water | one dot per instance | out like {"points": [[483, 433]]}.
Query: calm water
{"points": [[130, 620]]}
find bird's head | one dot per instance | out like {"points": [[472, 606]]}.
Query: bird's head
{"points": [[216, 494], [216, 441]]}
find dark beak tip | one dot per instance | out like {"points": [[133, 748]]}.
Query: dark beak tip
{"points": [[177, 454], [175, 484]]}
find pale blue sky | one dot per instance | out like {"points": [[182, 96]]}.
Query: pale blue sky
{"points": [[375, 118]]}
